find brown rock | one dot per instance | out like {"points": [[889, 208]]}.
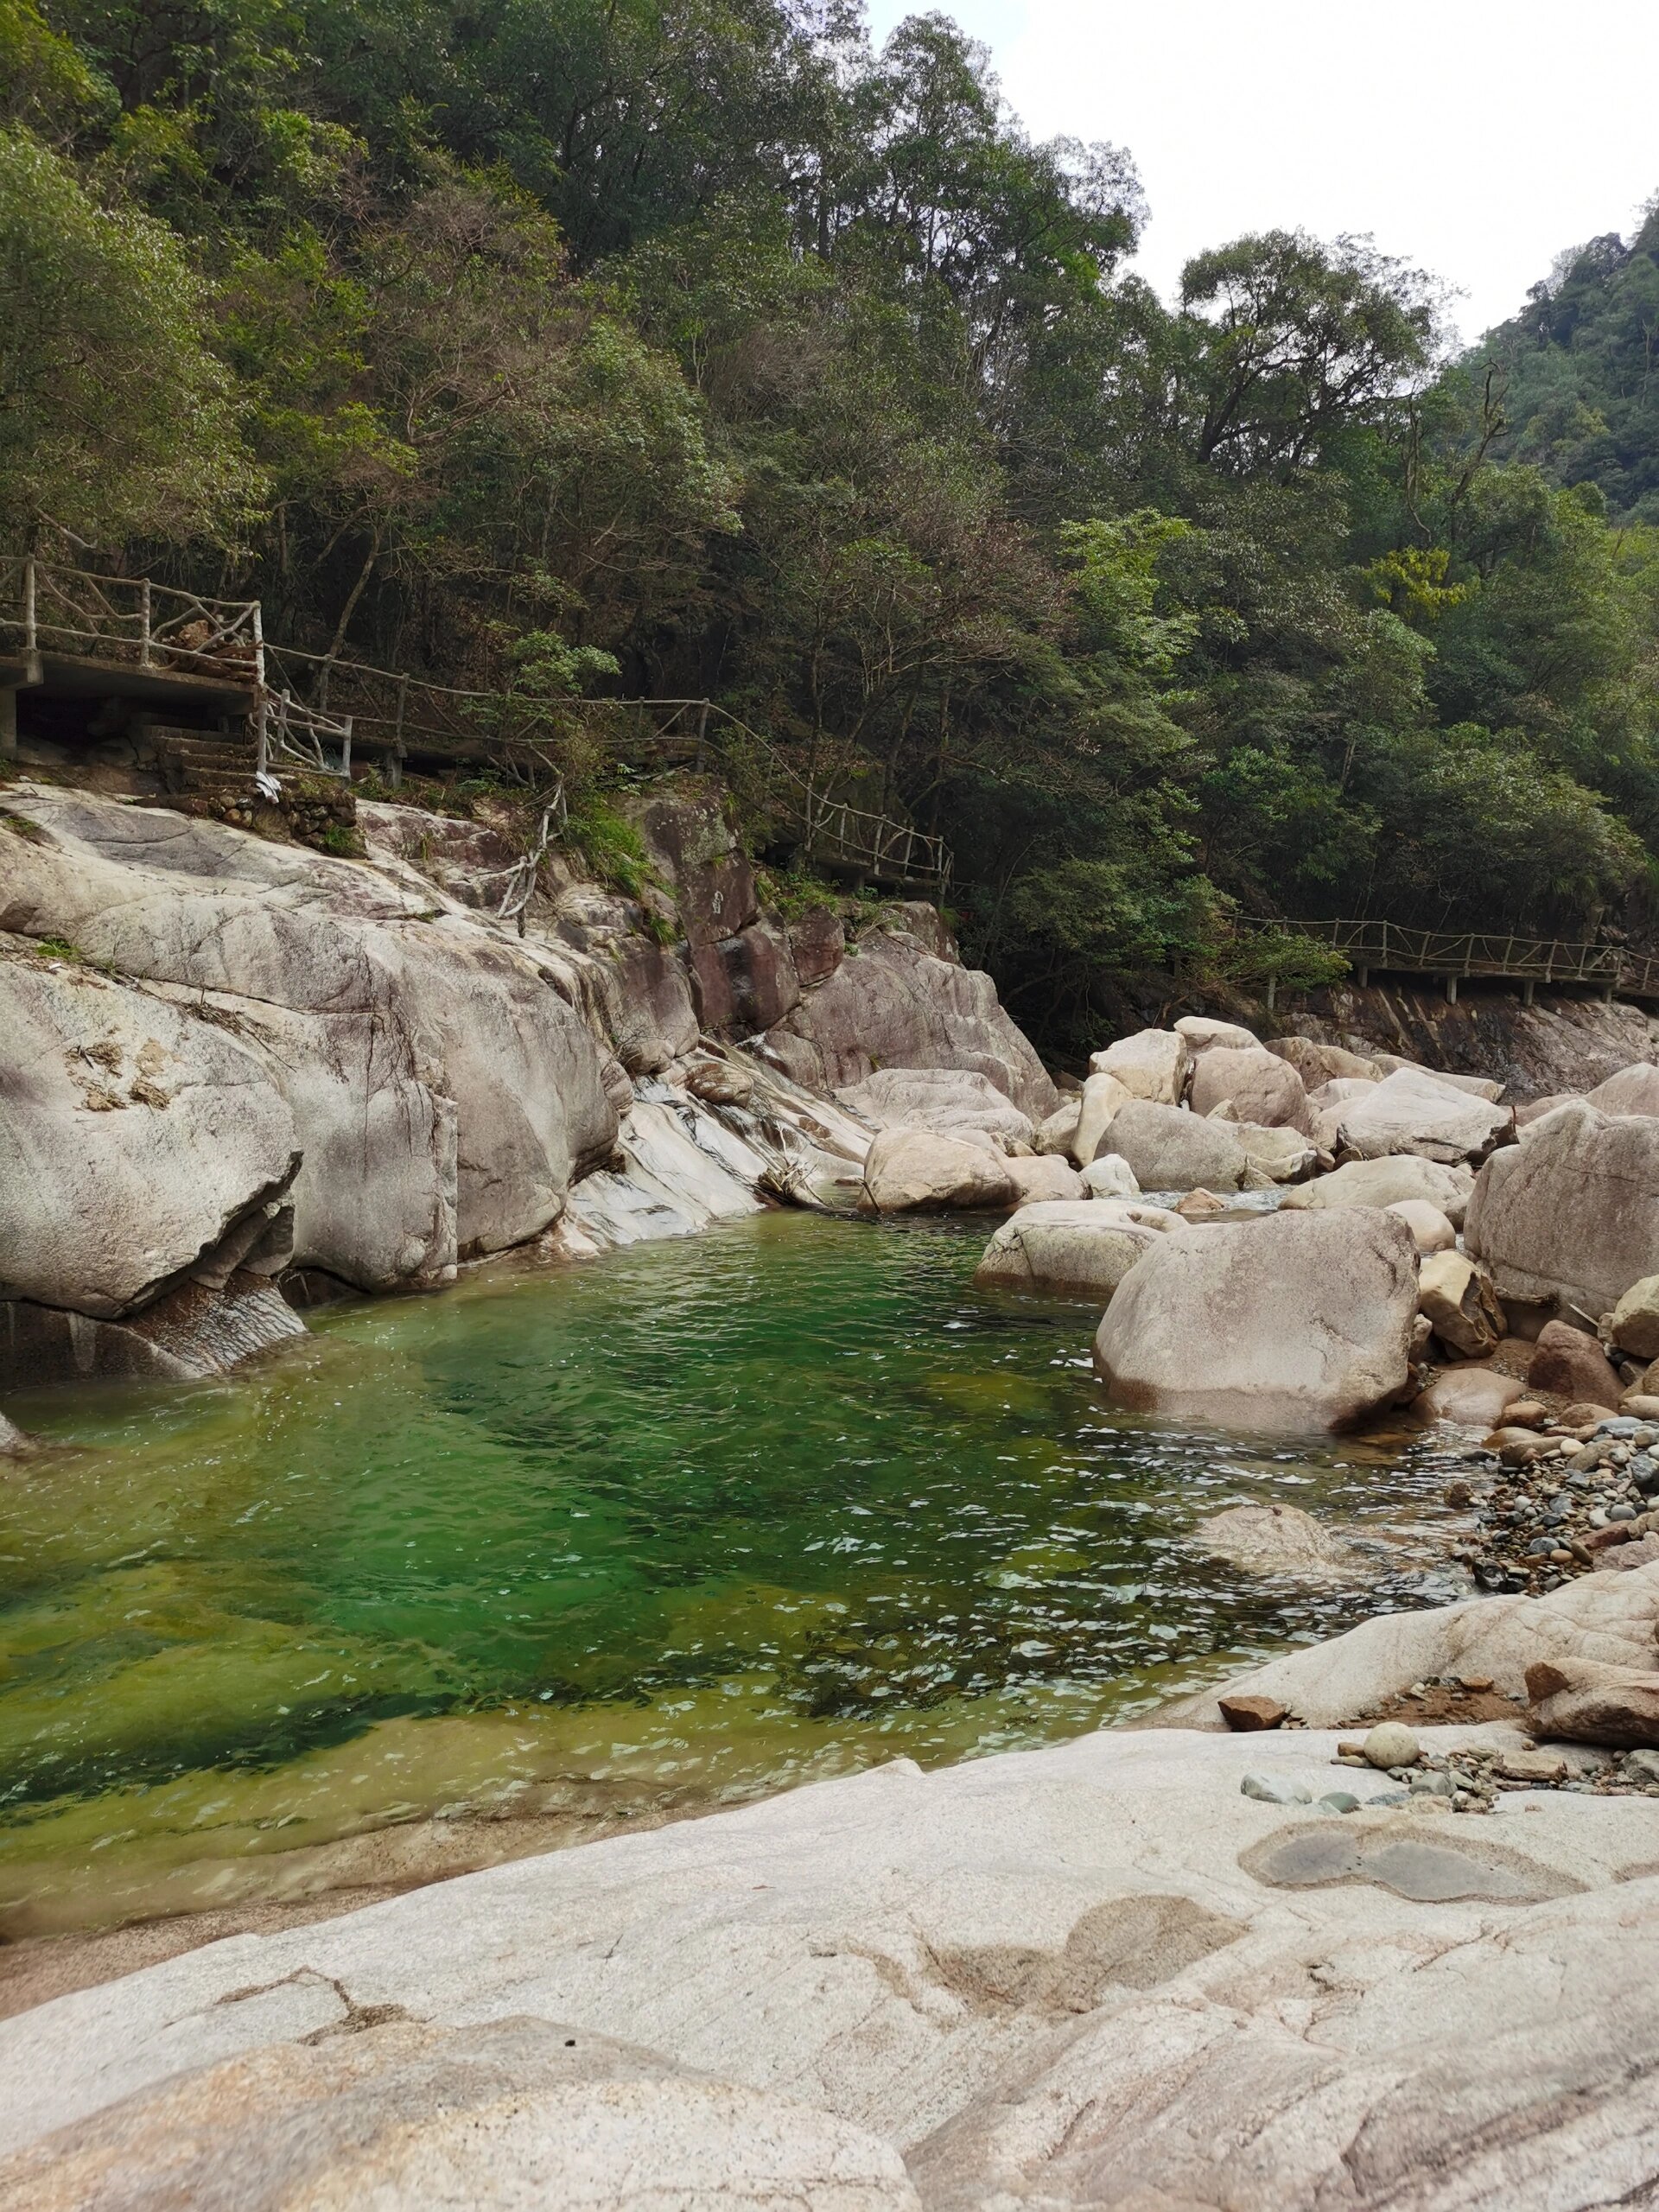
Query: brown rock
{"points": [[1319, 1064], [1638, 1401], [1587, 1702], [1196, 1204], [1456, 1295], [1532, 1766], [1480, 1397], [1524, 1414], [1246, 1713], [1572, 1364], [1516, 1446]]}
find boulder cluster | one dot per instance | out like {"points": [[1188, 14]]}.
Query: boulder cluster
{"points": [[1291, 1234]]}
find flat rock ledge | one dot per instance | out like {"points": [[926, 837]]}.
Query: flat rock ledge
{"points": [[1100, 1975]]}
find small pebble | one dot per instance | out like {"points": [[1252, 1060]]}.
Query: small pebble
{"points": [[1275, 1789]]}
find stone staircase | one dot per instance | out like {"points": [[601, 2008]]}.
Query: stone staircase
{"points": [[202, 761]]}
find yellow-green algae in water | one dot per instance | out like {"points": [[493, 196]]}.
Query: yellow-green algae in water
{"points": [[696, 1522]]}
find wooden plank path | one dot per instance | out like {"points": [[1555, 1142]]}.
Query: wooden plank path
{"points": [[69, 632], [1452, 956]]}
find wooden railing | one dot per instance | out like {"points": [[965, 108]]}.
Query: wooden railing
{"points": [[313, 710], [1511, 955], [47, 608]]}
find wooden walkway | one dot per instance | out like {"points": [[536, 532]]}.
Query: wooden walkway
{"points": [[1451, 956], [70, 632]]}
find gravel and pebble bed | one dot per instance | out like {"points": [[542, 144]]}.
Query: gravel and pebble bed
{"points": [[1558, 1502], [1470, 1779]]}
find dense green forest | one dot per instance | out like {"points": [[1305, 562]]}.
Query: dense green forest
{"points": [[693, 346]]}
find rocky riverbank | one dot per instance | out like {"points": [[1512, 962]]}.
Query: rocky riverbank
{"points": [[1244, 1959]]}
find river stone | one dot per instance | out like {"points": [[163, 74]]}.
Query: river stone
{"points": [[134, 1140], [1430, 1229], [1291, 1321], [1389, 1744], [1318, 1063], [950, 1101], [1634, 1090], [1411, 1112], [1279, 1540], [1283, 1155], [1572, 1364], [1587, 1702], [1573, 1213], [1102, 1094], [1045, 1178], [1260, 1087], [1478, 1397], [1455, 1295], [1152, 1063], [1111, 1177], [1635, 1326], [1203, 1035], [1383, 1182], [911, 1171], [1075, 1250], [1248, 1716], [1168, 1149]]}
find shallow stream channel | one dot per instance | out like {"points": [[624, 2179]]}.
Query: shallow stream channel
{"points": [[555, 1553]]}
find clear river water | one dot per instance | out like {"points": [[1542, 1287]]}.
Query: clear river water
{"points": [[552, 1552]]}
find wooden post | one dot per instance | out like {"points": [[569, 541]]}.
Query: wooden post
{"points": [[1272, 991], [1528, 988], [396, 779], [1450, 990], [8, 723], [144, 621], [261, 732], [1363, 975], [31, 642]]}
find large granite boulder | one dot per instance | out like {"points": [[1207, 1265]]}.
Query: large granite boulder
{"points": [[1572, 1214], [745, 984], [1294, 1321], [136, 1141], [1634, 1090], [1102, 1094], [893, 1003], [1319, 1064], [1384, 1182], [444, 1089], [1169, 1149], [1152, 1063], [951, 1102], [1205, 1035], [1058, 1132], [695, 853], [1476, 1086], [1258, 1085], [912, 1171], [1281, 1155], [1608, 1619], [1044, 1178], [1083, 1249], [1410, 1112]]}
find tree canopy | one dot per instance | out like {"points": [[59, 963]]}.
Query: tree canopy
{"points": [[688, 347]]}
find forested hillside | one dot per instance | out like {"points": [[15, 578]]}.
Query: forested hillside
{"points": [[690, 347]]}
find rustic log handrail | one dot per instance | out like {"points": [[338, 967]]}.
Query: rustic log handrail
{"points": [[1513, 956], [311, 707], [49, 607]]}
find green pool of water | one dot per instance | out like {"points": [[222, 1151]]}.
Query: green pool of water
{"points": [[683, 1525]]}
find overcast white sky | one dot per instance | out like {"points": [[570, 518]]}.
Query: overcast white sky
{"points": [[1474, 139]]}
